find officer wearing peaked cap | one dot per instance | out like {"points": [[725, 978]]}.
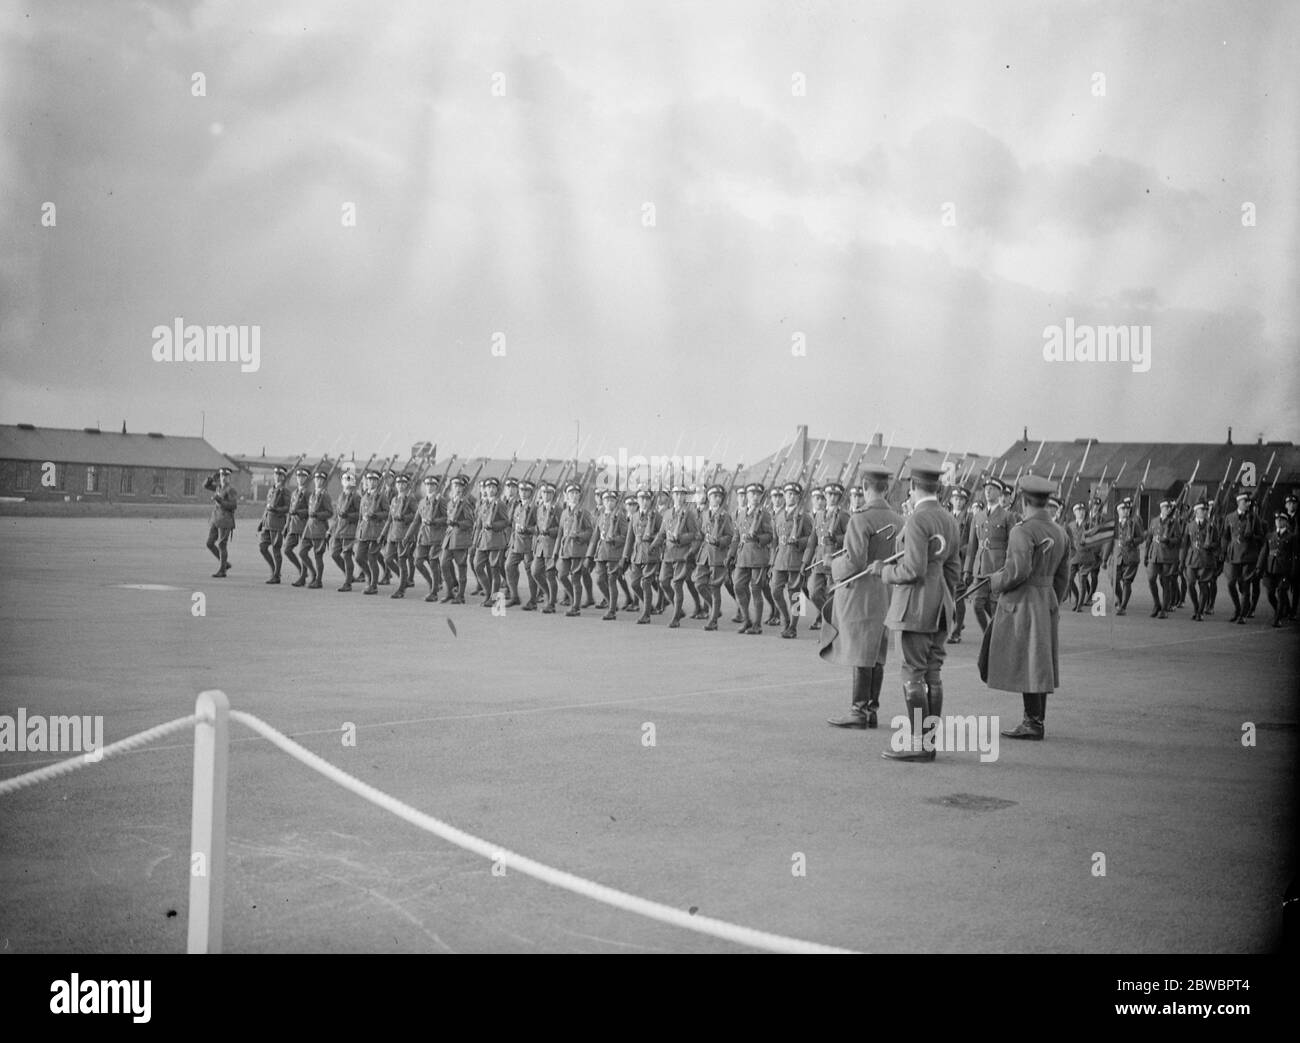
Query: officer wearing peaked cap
{"points": [[346, 517], [608, 538], [427, 530], [754, 536], [546, 540], [222, 522], [274, 521], [297, 519], [641, 551], [853, 630], [1199, 551], [793, 532], [958, 499], [491, 525], [374, 515], [315, 538], [676, 539], [986, 551], [575, 536], [519, 550], [829, 526], [1130, 537], [1021, 646], [718, 533], [1276, 565], [456, 541], [1161, 559]]}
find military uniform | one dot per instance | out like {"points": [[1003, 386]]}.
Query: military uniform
{"points": [[1276, 565], [921, 605], [456, 541], [297, 520], [401, 516], [986, 550], [642, 551], [545, 546], [1240, 543], [275, 519], [426, 532], [374, 515], [346, 516], [222, 521], [753, 538], [1023, 644], [608, 538], [829, 527], [491, 526], [1130, 538], [854, 632], [575, 537], [519, 551], [964, 519], [1083, 559], [315, 537], [676, 538], [717, 534], [1199, 550], [1161, 559], [792, 533]]}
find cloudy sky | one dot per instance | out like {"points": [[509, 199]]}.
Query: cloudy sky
{"points": [[694, 225]]}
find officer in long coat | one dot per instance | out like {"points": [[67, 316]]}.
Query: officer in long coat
{"points": [[854, 633], [1023, 647]]}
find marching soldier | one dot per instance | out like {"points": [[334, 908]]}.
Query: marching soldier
{"points": [[491, 525], [854, 634], [697, 504], [775, 507], [921, 605], [1276, 564], [571, 549], [717, 534], [297, 521], [274, 520], [754, 536], [1239, 546], [958, 500], [631, 595], [519, 552], [641, 551], [427, 531], [315, 538], [1082, 558], [1130, 538], [456, 541], [793, 533], [345, 529], [374, 515], [1023, 647], [1293, 526], [676, 537], [222, 523], [857, 499], [986, 550], [1199, 553], [829, 529], [1161, 559], [401, 515], [608, 538], [545, 546]]}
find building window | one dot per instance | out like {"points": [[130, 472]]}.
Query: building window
{"points": [[92, 479], [22, 477], [159, 484], [191, 484], [128, 480]]}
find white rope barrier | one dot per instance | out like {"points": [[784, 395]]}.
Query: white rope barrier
{"points": [[53, 771], [547, 874]]}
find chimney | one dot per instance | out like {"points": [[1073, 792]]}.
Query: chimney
{"points": [[1025, 437], [878, 440], [123, 427], [1229, 436]]}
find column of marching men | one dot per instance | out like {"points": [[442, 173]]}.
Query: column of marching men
{"points": [[535, 546]]}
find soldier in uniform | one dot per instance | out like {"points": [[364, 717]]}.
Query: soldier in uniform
{"points": [[545, 546], [775, 507], [958, 500], [608, 538], [857, 499], [222, 522], [1082, 559], [1200, 553], [717, 534], [676, 538], [401, 515], [855, 634], [631, 595], [1293, 526], [426, 532], [373, 515], [641, 551], [829, 528], [1239, 547], [346, 517], [792, 534], [1276, 564], [456, 542], [921, 605], [519, 551], [1130, 538], [274, 520], [986, 550], [491, 525], [297, 521], [753, 536], [1023, 650], [695, 504], [316, 537], [575, 537], [1161, 559]]}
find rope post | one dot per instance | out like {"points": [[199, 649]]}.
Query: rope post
{"points": [[208, 822]]}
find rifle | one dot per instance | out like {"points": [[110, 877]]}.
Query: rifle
{"points": [[1137, 496], [731, 484], [893, 486], [848, 459], [1182, 495]]}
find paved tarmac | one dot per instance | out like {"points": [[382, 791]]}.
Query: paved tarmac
{"points": [[529, 731]]}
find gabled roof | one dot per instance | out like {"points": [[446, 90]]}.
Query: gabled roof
{"points": [[107, 448], [830, 456]]}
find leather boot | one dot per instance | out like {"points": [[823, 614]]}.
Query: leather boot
{"points": [[859, 715], [1032, 726], [917, 702]]}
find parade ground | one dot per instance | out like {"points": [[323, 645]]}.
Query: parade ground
{"points": [[694, 769]]}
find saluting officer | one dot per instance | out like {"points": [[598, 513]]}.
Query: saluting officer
{"points": [[456, 541], [986, 551], [717, 533], [315, 538], [222, 522], [1023, 647], [854, 634], [921, 606], [793, 533], [346, 516], [427, 530], [274, 520], [754, 536], [545, 548]]}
